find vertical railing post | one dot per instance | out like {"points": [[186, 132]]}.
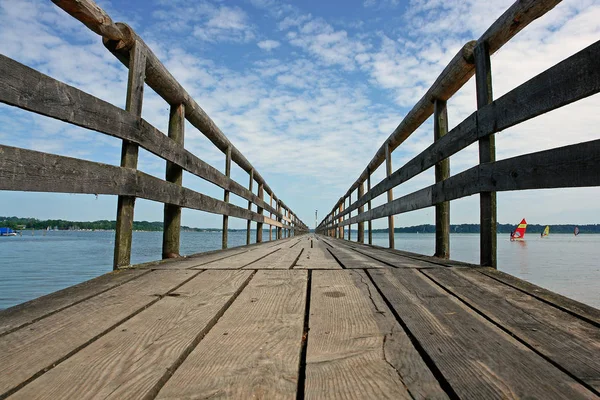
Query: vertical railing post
{"points": [[259, 225], [225, 233], [361, 209], [271, 216], [442, 172], [390, 194], [248, 225], [342, 206], [174, 174], [369, 205], [487, 153], [129, 157], [279, 219], [349, 216]]}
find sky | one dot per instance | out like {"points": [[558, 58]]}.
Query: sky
{"points": [[307, 91]]}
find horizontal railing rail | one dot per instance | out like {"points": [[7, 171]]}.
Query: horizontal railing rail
{"points": [[27, 170], [573, 79]]}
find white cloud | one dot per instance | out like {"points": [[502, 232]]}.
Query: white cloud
{"points": [[268, 45]]}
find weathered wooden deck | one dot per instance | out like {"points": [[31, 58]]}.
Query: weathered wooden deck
{"points": [[308, 316]]}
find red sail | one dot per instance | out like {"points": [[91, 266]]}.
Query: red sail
{"points": [[519, 233]]}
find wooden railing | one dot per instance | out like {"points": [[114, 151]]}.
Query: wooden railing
{"points": [[577, 165], [27, 170]]}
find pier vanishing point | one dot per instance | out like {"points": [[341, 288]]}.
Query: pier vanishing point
{"points": [[302, 315]]}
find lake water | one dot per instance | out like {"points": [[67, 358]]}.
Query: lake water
{"points": [[31, 266]]}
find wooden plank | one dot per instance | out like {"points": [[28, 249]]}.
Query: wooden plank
{"points": [[129, 158], [560, 337], [254, 349], [26, 313], [352, 259], [31, 90], [28, 170], [317, 257], [245, 259], [566, 82], [259, 225], [282, 259], [356, 349], [174, 174], [225, 231], [476, 358], [390, 196], [391, 259], [583, 311], [131, 360], [29, 352]]}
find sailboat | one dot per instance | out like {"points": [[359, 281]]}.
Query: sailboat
{"points": [[576, 231], [546, 231], [519, 233]]}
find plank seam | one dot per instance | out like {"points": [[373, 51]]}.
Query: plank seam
{"points": [[219, 259], [258, 259], [561, 308], [153, 392], [297, 258], [513, 335], [70, 305], [304, 341], [374, 258], [336, 259], [294, 244], [93, 339], [437, 374]]}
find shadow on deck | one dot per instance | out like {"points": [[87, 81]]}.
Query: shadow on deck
{"points": [[308, 316]]}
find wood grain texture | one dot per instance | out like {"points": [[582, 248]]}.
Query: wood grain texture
{"points": [[43, 344], [33, 310], [352, 259], [581, 310], [28, 170], [317, 257], [254, 349], [566, 340], [390, 259], [131, 359], [476, 358], [282, 259], [245, 259], [351, 336]]}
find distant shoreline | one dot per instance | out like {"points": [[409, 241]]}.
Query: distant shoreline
{"points": [[19, 223]]}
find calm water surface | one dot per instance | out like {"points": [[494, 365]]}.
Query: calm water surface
{"points": [[31, 266]]}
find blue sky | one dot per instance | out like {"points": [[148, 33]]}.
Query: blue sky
{"points": [[307, 90]]}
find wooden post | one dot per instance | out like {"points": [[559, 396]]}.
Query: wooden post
{"points": [[174, 173], [442, 172], [349, 216], [259, 225], [361, 209], [487, 153], [250, 184], [369, 205], [279, 219], [390, 194], [225, 233], [129, 157], [271, 216], [341, 228]]}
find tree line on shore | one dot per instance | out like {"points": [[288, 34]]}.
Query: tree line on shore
{"points": [[18, 223]]}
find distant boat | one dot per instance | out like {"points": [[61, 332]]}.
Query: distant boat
{"points": [[546, 231], [576, 231], [519, 233], [7, 232]]}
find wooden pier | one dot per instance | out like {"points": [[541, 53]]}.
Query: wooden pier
{"points": [[305, 317], [301, 315]]}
